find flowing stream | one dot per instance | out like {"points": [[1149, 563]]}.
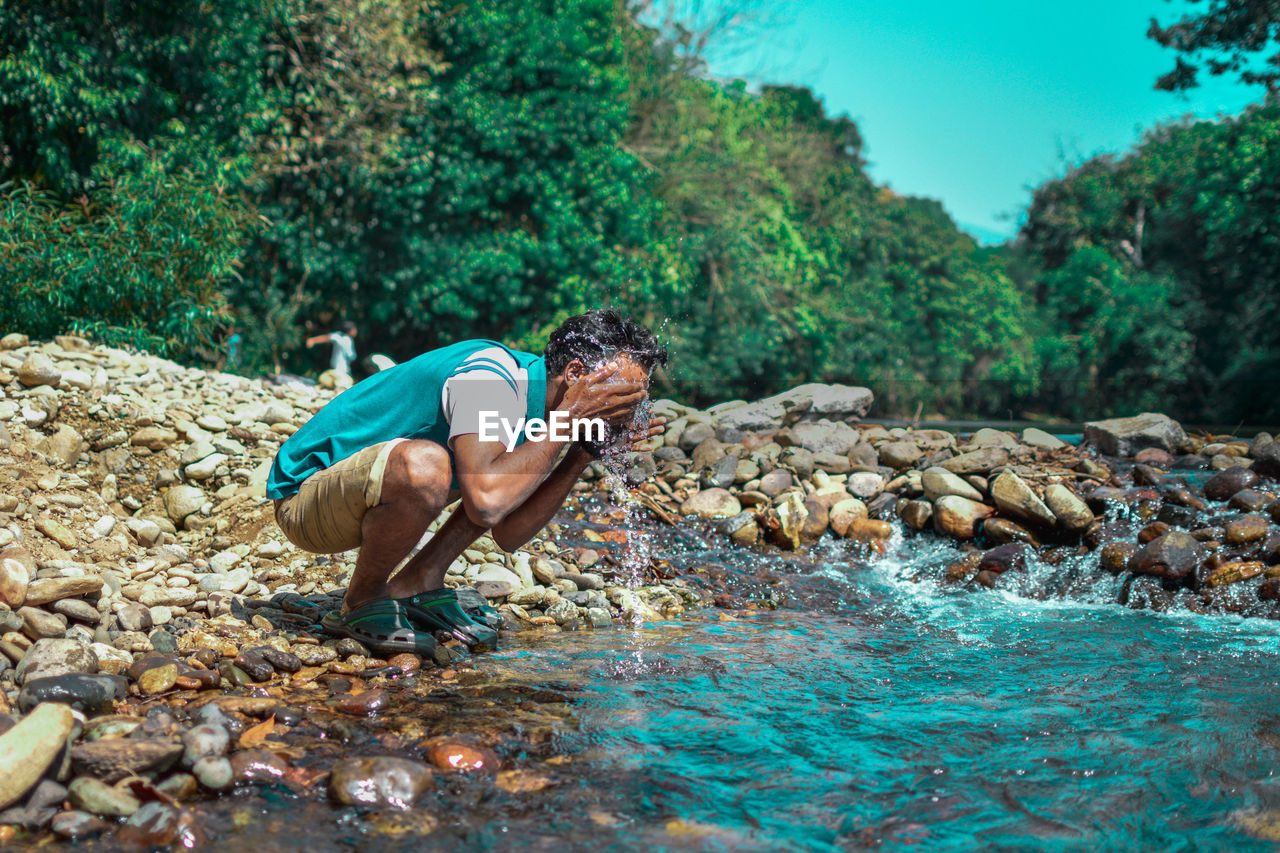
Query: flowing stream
{"points": [[899, 714], [875, 708]]}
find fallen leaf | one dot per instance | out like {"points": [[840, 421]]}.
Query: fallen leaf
{"points": [[255, 735], [592, 536]]}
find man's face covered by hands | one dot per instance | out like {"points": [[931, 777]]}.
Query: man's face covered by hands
{"points": [[620, 378]]}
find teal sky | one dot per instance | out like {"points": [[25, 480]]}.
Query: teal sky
{"points": [[975, 103]]}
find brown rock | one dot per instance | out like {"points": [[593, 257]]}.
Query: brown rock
{"points": [[868, 530], [1152, 532], [1247, 528], [13, 582], [1224, 484], [958, 517], [775, 482], [1004, 558], [917, 514], [1174, 555], [899, 454], [711, 504], [1230, 573], [815, 522], [1114, 556], [456, 756], [46, 590], [365, 703], [1126, 436], [1012, 495], [1002, 531], [1073, 514], [158, 679], [56, 531], [1156, 456], [113, 760], [977, 461]]}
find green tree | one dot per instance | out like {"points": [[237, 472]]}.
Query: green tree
{"points": [[1228, 37], [121, 126]]}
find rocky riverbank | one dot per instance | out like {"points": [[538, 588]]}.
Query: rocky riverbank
{"points": [[159, 641]]}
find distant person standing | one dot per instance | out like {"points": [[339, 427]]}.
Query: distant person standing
{"points": [[344, 353]]}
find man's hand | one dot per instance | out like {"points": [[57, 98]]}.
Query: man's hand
{"points": [[610, 393]]}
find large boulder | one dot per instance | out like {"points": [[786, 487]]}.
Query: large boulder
{"points": [[1126, 436], [815, 400]]}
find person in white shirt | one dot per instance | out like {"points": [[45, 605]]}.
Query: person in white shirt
{"points": [[344, 348]]}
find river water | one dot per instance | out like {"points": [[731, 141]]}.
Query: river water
{"points": [[899, 714], [858, 703]]}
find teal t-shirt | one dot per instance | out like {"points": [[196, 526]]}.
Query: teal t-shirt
{"points": [[401, 402]]}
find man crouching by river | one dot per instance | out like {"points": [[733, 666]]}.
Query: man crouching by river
{"points": [[374, 467]]}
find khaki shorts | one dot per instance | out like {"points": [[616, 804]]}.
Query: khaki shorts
{"points": [[326, 514]]}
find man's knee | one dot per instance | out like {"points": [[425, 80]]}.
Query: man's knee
{"points": [[420, 469]]}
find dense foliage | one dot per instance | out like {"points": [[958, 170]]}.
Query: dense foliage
{"points": [[433, 171], [1164, 264]]}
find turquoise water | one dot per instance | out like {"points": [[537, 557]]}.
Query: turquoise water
{"points": [[902, 715]]}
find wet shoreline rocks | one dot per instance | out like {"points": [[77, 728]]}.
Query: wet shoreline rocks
{"points": [[161, 638], [1190, 521]]}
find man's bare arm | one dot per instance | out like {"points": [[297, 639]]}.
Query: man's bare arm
{"points": [[495, 482]]}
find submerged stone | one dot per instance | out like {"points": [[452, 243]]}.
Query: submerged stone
{"points": [[382, 781]]}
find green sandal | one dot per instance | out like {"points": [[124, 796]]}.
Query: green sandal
{"points": [[478, 607], [384, 626], [439, 610]]}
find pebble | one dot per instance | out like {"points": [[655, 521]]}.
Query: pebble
{"points": [[95, 797], [158, 680], [365, 703], [214, 772]]}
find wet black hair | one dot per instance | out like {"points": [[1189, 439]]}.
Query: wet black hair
{"points": [[596, 336]]}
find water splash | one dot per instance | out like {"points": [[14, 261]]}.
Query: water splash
{"points": [[616, 458]]}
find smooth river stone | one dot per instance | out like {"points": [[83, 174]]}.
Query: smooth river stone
{"points": [[1073, 513], [1174, 555], [113, 760], [383, 781], [958, 517], [1247, 528], [45, 590], [711, 504], [937, 482], [1012, 495], [55, 656], [27, 749]]}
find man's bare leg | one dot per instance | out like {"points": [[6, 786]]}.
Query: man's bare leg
{"points": [[427, 568], [415, 488]]}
